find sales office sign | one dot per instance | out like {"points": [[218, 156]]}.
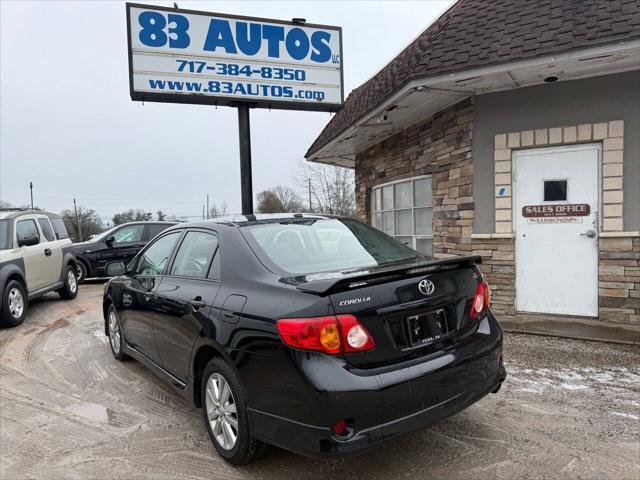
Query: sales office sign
{"points": [[558, 213], [187, 56]]}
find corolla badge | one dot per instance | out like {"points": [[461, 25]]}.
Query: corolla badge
{"points": [[353, 301], [426, 287]]}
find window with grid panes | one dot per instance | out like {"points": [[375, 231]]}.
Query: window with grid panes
{"points": [[404, 210]]}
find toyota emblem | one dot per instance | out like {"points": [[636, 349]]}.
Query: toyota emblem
{"points": [[426, 287]]}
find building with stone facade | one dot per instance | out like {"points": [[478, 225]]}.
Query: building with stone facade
{"points": [[511, 130]]}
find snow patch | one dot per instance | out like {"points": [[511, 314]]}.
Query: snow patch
{"points": [[541, 379], [99, 334], [569, 386], [626, 415]]}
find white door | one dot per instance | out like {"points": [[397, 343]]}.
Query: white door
{"points": [[556, 210]]}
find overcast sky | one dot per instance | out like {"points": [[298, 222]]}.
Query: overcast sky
{"points": [[67, 122]]}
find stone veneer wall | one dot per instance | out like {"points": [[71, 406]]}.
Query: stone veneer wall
{"points": [[498, 268], [619, 279], [442, 147]]}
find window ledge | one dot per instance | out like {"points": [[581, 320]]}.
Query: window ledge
{"points": [[479, 236], [619, 234]]}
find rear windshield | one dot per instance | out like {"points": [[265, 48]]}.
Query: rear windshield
{"points": [[5, 241], [310, 245]]}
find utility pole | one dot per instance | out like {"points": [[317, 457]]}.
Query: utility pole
{"points": [[75, 207], [31, 188], [207, 205], [310, 207]]}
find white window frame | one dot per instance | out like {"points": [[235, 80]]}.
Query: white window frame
{"points": [[374, 208]]}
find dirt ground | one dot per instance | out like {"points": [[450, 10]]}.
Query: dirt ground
{"points": [[569, 409]]}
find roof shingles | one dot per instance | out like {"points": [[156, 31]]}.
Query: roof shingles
{"points": [[476, 33]]}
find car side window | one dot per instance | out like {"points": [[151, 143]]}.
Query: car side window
{"points": [[45, 226], [156, 228], [59, 228], [26, 229], [154, 259], [132, 233], [215, 270], [195, 254]]}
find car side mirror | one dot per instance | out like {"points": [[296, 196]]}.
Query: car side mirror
{"points": [[109, 240], [28, 241], [115, 269]]}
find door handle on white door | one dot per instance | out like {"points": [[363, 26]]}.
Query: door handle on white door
{"points": [[589, 233]]}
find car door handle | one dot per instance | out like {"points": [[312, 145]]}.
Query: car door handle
{"points": [[197, 303], [47, 252], [589, 233]]}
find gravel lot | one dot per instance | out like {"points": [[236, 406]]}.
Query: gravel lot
{"points": [[569, 409]]}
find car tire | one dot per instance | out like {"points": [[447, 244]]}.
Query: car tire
{"points": [[116, 337], [230, 412], [69, 290], [14, 304], [81, 272]]}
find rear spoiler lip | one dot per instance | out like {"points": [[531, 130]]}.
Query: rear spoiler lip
{"points": [[326, 286]]}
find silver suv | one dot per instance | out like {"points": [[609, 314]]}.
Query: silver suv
{"points": [[36, 257]]}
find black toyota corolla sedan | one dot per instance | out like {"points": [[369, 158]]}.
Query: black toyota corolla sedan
{"points": [[318, 334]]}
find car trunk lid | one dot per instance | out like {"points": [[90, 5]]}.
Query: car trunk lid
{"points": [[406, 318]]}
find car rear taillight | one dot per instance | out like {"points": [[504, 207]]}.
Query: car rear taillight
{"points": [[480, 301], [355, 337], [331, 334]]}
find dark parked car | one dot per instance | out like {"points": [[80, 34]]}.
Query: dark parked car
{"points": [[318, 334], [121, 243]]}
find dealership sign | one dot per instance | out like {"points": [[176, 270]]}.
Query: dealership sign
{"points": [[186, 56]]}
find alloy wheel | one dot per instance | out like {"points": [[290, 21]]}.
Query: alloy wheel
{"points": [[114, 332], [221, 411], [71, 281], [16, 303]]}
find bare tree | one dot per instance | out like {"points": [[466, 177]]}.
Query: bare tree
{"points": [[89, 223], [279, 199], [332, 188], [174, 218], [132, 215], [218, 210]]}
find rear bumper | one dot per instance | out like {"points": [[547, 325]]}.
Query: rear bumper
{"points": [[381, 406]]}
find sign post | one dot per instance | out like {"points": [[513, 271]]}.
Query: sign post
{"points": [[194, 57], [246, 179]]}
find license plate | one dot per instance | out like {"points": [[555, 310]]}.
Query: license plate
{"points": [[427, 327]]}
